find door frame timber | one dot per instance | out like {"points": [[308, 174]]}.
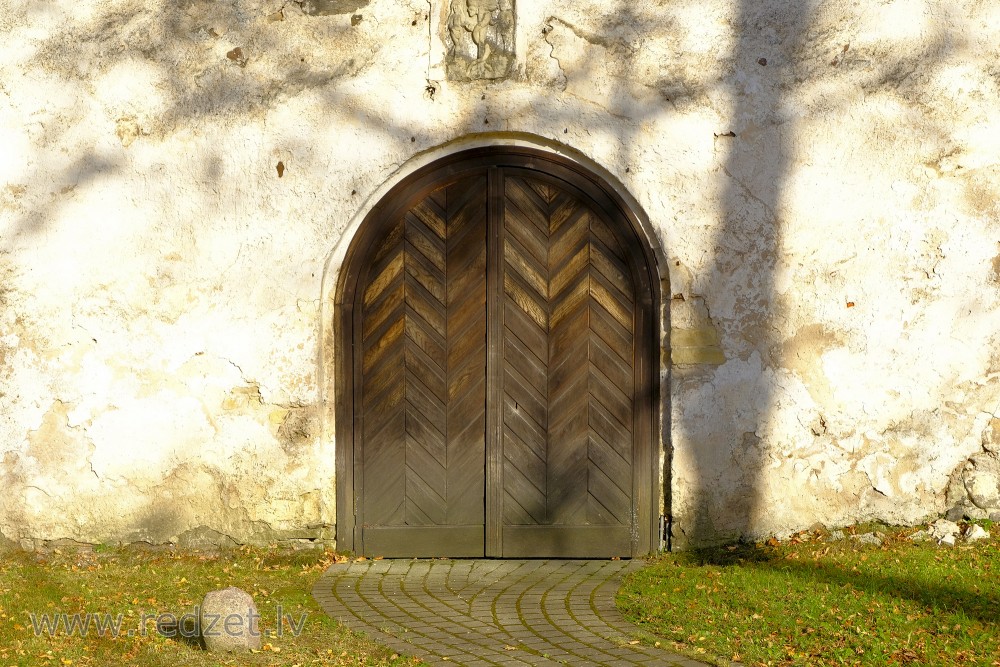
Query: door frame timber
{"points": [[642, 262]]}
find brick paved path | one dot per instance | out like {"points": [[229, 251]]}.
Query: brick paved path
{"points": [[490, 612]]}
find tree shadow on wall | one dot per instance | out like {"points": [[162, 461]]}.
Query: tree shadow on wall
{"points": [[724, 418], [717, 416]]}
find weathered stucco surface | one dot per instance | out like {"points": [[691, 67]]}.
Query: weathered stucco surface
{"points": [[179, 182]]}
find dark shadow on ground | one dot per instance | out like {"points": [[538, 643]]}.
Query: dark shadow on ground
{"points": [[934, 594], [183, 628]]}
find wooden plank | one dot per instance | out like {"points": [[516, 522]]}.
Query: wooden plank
{"points": [[429, 371], [566, 542], [618, 372], [467, 364], [425, 483], [466, 326], [618, 405], [521, 227], [382, 280], [521, 198], [518, 421], [572, 271], [529, 500], [527, 331], [522, 397], [421, 398], [424, 305], [385, 309], [573, 299], [615, 336], [428, 213], [378, 348], [423, 541], [607, 297], [527, 457], [570, 237], [494, 377], [610, 430], [384, 471], [533, 274], [609, 480], [529, 365], [385, 247], [524, 299], [612, 268], [419, 269]]}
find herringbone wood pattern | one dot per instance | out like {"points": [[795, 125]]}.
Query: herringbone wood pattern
{"points": [[566, 353], [568, 362], [423, 365]]}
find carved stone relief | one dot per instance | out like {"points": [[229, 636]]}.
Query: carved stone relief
{"points": [[480, 39]]}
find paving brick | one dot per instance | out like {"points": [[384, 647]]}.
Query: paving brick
{"points": [[471, 612]]}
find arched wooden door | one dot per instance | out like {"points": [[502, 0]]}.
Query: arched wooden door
{"points": [[497, 341]]}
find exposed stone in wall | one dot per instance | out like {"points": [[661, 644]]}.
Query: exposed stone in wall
{"points": [[331, 7], [822, 179], [974, 491]]}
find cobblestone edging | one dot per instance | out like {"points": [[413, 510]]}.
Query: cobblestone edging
{"points": [[490, 612]]}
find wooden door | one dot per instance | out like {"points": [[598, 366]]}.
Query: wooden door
{"points": [[501, 401]]}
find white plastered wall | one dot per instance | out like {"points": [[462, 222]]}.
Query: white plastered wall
{"points": [[823, 180]]}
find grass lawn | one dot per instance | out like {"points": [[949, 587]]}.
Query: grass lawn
{"points": [[812, 602], [801, 602], [135, 583]]}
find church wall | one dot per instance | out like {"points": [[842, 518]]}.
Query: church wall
{"points": [[179, 182]]}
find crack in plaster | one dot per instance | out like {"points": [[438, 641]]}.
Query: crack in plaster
{"points": [[564, 80], [591, 37]]}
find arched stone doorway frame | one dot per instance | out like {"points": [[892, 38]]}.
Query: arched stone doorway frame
{"points": [[340, 282]]}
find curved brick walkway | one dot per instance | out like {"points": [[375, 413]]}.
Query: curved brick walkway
{"points": [[490, 612]]}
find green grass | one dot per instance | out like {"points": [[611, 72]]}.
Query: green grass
{"points": [[131, 582], [810, 602]]}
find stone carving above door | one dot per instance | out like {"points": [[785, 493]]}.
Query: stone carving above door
{"points": [[480, 39]]}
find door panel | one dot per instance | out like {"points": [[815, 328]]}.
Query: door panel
{"points": [[423, 374], [567, 438]]}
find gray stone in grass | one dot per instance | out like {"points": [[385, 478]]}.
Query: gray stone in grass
{"points": [[976, 533], [229, 621], [920, 536], [836, 536], [869, 538], [943, 528]]}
